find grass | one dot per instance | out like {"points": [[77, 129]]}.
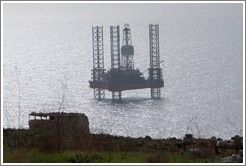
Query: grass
{"points": [[36, 156]]}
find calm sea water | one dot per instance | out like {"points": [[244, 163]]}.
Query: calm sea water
{"points": [[49, 45]]}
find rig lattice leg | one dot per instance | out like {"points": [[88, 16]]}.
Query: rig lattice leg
{"points": [[115, 46], [98, 60], [155, 70], [155, 93], [99, 93], [115, 56], [116, 96]]}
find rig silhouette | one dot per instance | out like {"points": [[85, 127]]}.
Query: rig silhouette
{"points": [[122, 75]]}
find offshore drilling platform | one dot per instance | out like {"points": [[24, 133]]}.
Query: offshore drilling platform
{"points": [[122, 75]]}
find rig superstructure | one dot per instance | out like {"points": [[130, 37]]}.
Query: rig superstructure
{"points": [[122, 75]]}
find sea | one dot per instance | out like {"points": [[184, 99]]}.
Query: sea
{"points": [[47, 63]]}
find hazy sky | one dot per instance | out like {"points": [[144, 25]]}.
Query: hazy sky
{"points": [[101, 11]]}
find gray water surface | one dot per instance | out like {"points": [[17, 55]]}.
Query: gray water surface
{"points": [[49, 45]]}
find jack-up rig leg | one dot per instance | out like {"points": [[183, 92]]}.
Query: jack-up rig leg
{"points": [[115, 56], [98, 60], [154, 70], [116, 96]]}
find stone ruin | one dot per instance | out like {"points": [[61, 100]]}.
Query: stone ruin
{"points": [[62, 121], [56, 131]]}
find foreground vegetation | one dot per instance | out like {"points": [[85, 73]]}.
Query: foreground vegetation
{"points": [[23, 146], [36, 156]]}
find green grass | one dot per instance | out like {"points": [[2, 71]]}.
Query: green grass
{"points": [[35, 156]]}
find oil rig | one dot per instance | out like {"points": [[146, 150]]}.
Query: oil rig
{"points": [[122, 75]]}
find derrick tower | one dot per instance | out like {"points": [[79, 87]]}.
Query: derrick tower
{"points": [[127, 50]]}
